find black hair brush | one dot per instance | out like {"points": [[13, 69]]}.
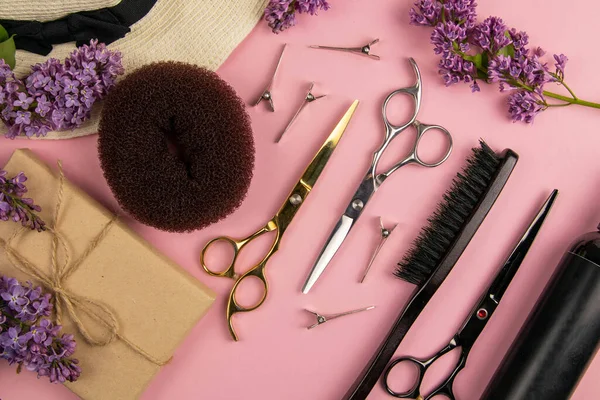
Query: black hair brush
{"points": [[439, 246]]}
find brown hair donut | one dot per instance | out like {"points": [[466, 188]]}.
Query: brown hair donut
{"points": [[176, 146]]}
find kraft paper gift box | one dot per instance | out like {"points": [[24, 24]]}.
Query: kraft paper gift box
{"points": [[136, 304]]}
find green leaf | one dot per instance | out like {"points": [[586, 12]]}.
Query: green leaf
{"points": [[7, 51], [477, 59], [485, 61], [3, 34], [507, 51]]}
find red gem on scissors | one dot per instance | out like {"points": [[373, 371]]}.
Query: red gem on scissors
{"points": [[482, 313]]}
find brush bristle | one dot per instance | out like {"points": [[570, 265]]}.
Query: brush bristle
{"points": [[452, 213]]}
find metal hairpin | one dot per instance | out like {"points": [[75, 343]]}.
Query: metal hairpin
{"points": [[322, 318], [266, 94], [363, 50], [309, 98], [385, 233]]}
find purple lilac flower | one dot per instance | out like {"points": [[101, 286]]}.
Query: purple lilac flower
{"points": [[520, 40], [463, 11], [18, 208], [13, 338], [428, 14], [70, 86], [453, 67], [23, 117], [311, 6], [523, 106], [23, 101], [43, 105], [281, 14], [57, 96], [34, 342], [433, 12], [15, 297], [561, 62], [490, 51], [491, 35]]}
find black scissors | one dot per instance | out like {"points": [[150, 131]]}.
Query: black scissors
{"points": [[476, 321]]}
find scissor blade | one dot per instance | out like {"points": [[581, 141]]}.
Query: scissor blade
{"points": [[510, 267], [483, 310], [334, 242], [318, 163], [353, 211]]}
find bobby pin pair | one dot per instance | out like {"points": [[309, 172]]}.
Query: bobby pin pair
{"points": [[267, 94], [322, 318]]}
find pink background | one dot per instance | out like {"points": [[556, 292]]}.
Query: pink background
{"points": [[277, 358]]}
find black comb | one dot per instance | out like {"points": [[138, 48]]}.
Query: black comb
{"points": [[439, 245]]}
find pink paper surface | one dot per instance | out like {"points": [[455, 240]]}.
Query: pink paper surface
{"points": [[277, 358]]}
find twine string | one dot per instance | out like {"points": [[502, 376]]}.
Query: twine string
{"points": [[67, 303]]}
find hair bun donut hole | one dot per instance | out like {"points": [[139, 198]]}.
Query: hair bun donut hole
{"points": [[176, 146]]}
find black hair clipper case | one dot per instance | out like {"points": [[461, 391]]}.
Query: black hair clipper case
{"points": [[560, 336]]}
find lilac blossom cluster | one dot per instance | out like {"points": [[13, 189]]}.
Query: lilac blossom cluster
{"points": [[30, 340], [57, 96], [281, 14], [13, 206], [488, 51]]}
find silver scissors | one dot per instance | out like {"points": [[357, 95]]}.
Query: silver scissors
{"points": [[373, 180]]}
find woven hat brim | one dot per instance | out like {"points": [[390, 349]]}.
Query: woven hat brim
{"points": [[49, 10], [202, 32]]}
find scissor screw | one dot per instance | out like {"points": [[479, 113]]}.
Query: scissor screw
{"points": [[358, 204], [295, 199], [482, 313]]}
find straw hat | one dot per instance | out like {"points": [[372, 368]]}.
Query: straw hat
{"points": [[202, 32]]}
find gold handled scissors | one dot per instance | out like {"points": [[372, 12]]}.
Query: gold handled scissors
{"points": [[277, 224]]}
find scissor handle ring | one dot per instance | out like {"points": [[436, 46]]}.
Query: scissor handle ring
{"points": [[421, 131], [229, 272], [257, 272], [412, 393], [414, 93], [233, 307]]}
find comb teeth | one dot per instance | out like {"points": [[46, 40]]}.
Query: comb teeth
{"points": [[450, 216]]}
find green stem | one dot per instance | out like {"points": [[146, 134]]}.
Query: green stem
{"points": [[570, 100], [16, 321], [568, 88]]}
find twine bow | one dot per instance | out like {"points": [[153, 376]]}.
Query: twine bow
{"points": [[65, 301]]}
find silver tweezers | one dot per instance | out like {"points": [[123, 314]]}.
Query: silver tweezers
{"points": [[322, 318], [363, 50], [266, 94]]}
